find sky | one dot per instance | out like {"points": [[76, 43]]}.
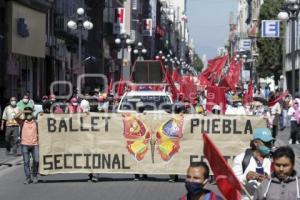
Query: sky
{"points": [[208, 22]]}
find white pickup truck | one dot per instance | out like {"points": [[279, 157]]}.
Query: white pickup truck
{"points": [[153, 101]]}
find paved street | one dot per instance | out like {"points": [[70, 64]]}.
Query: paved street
{"points": [[111, 187]]}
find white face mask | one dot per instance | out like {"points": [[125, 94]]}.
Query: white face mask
{"points": [[74, 104], [13, 103], [25, 100]]}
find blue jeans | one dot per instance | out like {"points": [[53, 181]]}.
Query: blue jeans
{"points": [[34, 152]]}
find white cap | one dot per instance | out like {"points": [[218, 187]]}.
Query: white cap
{"points": [[216, 107]]}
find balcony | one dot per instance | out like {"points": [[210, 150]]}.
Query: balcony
{"points": [[60, 28], [61, 24]]}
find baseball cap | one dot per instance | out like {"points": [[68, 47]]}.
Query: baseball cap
{"points": [[263, 134]]}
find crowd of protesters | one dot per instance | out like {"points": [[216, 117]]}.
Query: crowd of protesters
{"points": [[279, 109]]}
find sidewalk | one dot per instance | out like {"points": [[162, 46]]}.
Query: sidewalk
{"points": [[8, 160]]}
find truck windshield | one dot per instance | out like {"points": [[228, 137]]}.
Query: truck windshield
{"points": [[150, 102]]}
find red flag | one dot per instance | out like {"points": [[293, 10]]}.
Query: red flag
{"points": [[245, 98], [232, 77], [110, 86], [272, 103], [175, 75], [203, 80], [214, 69], [250, 91], [227, 182], [188, 88], [169, 80], [119, 15], [121, 87], [216, 95], [248, 96]]}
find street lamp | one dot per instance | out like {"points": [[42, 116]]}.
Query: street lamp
{"points": [[124, 41], [290, 11], [80, 22], [139, 51], [241, 57], [159, 56]]}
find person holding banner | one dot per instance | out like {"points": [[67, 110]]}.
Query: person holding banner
{"points": [[216, 109], [85, 104], [284, 182], [102, 103], [30, 146], [73, 106], [197, 179], [140, 108], [254, 165]]}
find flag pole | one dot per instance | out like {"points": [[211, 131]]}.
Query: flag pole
{"points": [[246, 192]]}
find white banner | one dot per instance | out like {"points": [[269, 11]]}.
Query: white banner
{"points": [[148, 25]]}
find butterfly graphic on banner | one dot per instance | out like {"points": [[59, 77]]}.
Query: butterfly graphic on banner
{"points": [[140, 138]]}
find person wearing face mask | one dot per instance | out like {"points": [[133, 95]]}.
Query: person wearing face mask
{"points": [[216, 109], [85, 104], [11, 126], [30, 145], [188, 109], [284, 181], [254, 165], [196, 183], [24, 103], [55, 106], [46, 104], [73, 107], [103, 104]]}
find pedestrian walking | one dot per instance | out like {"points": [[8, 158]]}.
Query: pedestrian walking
{"points": [[25, 102], [254, 165], [196, 183], [283, 183], [11, 127], [275, 113], [294, 114], [285, 108]]}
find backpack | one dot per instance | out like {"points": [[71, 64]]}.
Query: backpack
{"points": [[246, 159]]}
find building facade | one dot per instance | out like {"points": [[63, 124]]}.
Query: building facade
{"points": [[244, 27], [286, 80], [38, 50]]}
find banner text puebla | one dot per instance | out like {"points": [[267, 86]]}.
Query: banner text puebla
{"points": [[137, 143]]}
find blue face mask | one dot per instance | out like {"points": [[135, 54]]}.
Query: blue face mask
{"points": [[264, 150], [194, 188]]}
